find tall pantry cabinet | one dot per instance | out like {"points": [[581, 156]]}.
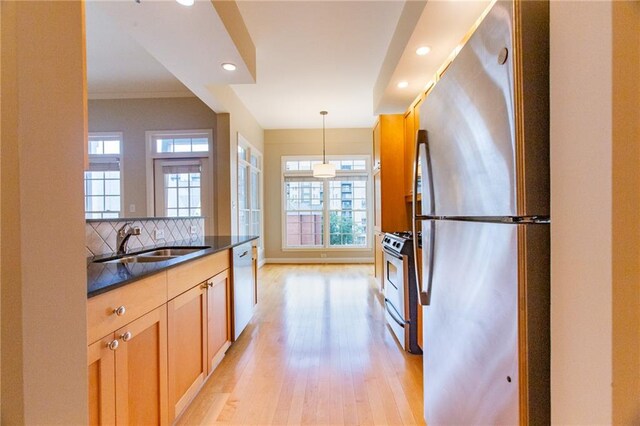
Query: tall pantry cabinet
{"points": [[390, 209]]}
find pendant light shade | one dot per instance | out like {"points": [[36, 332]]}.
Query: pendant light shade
{"points": [[324, 170]]}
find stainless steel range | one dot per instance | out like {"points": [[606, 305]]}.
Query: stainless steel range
{"points": [[400, 290]]}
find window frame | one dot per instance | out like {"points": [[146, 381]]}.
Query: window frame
{"points": [[162, 189], [250, 151], [104, 158], [152, 154], [152, 135], [325, 200]]}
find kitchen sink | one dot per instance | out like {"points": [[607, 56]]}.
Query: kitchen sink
{"points": [[155, 255], [172, 251], [136, 259]]}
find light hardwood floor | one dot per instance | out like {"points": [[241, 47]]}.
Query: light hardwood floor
{"points": [[317, 351]]}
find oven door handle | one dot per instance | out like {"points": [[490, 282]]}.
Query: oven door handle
{"points": [[391, 282], [393, 315]]}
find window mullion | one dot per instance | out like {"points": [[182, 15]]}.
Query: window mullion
{"points": [[325, 211]]}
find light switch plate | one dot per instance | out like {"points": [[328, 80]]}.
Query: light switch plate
{"points": [[193, 229]]}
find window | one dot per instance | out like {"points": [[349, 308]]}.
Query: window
{"points": [[348, 211], [178, 172], [180, 183], [304, 212], [324, 214], [102, 182], [179, 144], [249, 189]]}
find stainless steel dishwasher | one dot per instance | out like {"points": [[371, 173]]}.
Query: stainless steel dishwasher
{"points": [[243, 287]]}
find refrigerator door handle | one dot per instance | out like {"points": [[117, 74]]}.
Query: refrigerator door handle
{"points": [[425, 294], [421, 139]]}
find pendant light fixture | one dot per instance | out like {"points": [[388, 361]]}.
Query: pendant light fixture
{"points": [[324, 170]]}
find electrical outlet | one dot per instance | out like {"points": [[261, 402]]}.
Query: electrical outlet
{"points": [[323, 254], [158, 234], [193, 229], [132, 208]]}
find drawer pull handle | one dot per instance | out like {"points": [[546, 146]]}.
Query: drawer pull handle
{"points": [[126, 336], [120, 311], [210, 284], [113, 345]]}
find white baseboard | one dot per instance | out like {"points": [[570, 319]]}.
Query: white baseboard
{"points": [[319, 260]]}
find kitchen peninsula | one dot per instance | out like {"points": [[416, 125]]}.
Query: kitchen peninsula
{"points": [[158, 328]]}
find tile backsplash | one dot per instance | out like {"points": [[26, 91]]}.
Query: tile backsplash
{"points": [[100, 235]]}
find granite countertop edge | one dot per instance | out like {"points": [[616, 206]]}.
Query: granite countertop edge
{"points": [[104, 277]]}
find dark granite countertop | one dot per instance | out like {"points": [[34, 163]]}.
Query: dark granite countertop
{"points": [[103, 277]]}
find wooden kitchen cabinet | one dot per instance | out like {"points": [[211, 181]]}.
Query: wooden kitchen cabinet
{"points": [[411, 127], [376, 146], [183, 277], [111, 310], [187, 327], [199, 335], [379, 262], [141, 370], [390, 211], [219, 318], [154, 342], [128, 373], [377, 201], [102, 382]]}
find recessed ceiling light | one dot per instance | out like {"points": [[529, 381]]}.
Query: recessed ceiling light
{"points": [[186, 2], [423, 50], [229, 66], [403, 84]]}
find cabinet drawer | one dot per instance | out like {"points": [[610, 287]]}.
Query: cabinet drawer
{"points": [[137, 299], [182, 278]]}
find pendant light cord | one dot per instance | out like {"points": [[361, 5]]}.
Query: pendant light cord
{"points": [[324, 157]]}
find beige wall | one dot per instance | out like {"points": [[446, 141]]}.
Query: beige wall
{"points": [[133, 117], [44, 348], [595, 237], [626, 205], [279, 143], [237, 119], [581, 212]]}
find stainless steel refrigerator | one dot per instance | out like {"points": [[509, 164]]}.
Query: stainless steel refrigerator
{"points": [[482, 204]]}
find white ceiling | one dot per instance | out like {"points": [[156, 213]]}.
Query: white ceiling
{"points": [[315, 56], [441, 26], [311, 55], [117, 66]]}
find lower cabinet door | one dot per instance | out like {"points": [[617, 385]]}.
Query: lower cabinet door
{"points": [[141, 370], [379, 262], [187, 316], [218, 326], [102, 392]]}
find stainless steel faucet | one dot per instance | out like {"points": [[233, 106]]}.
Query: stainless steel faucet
{"points": [[124, 233]]}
